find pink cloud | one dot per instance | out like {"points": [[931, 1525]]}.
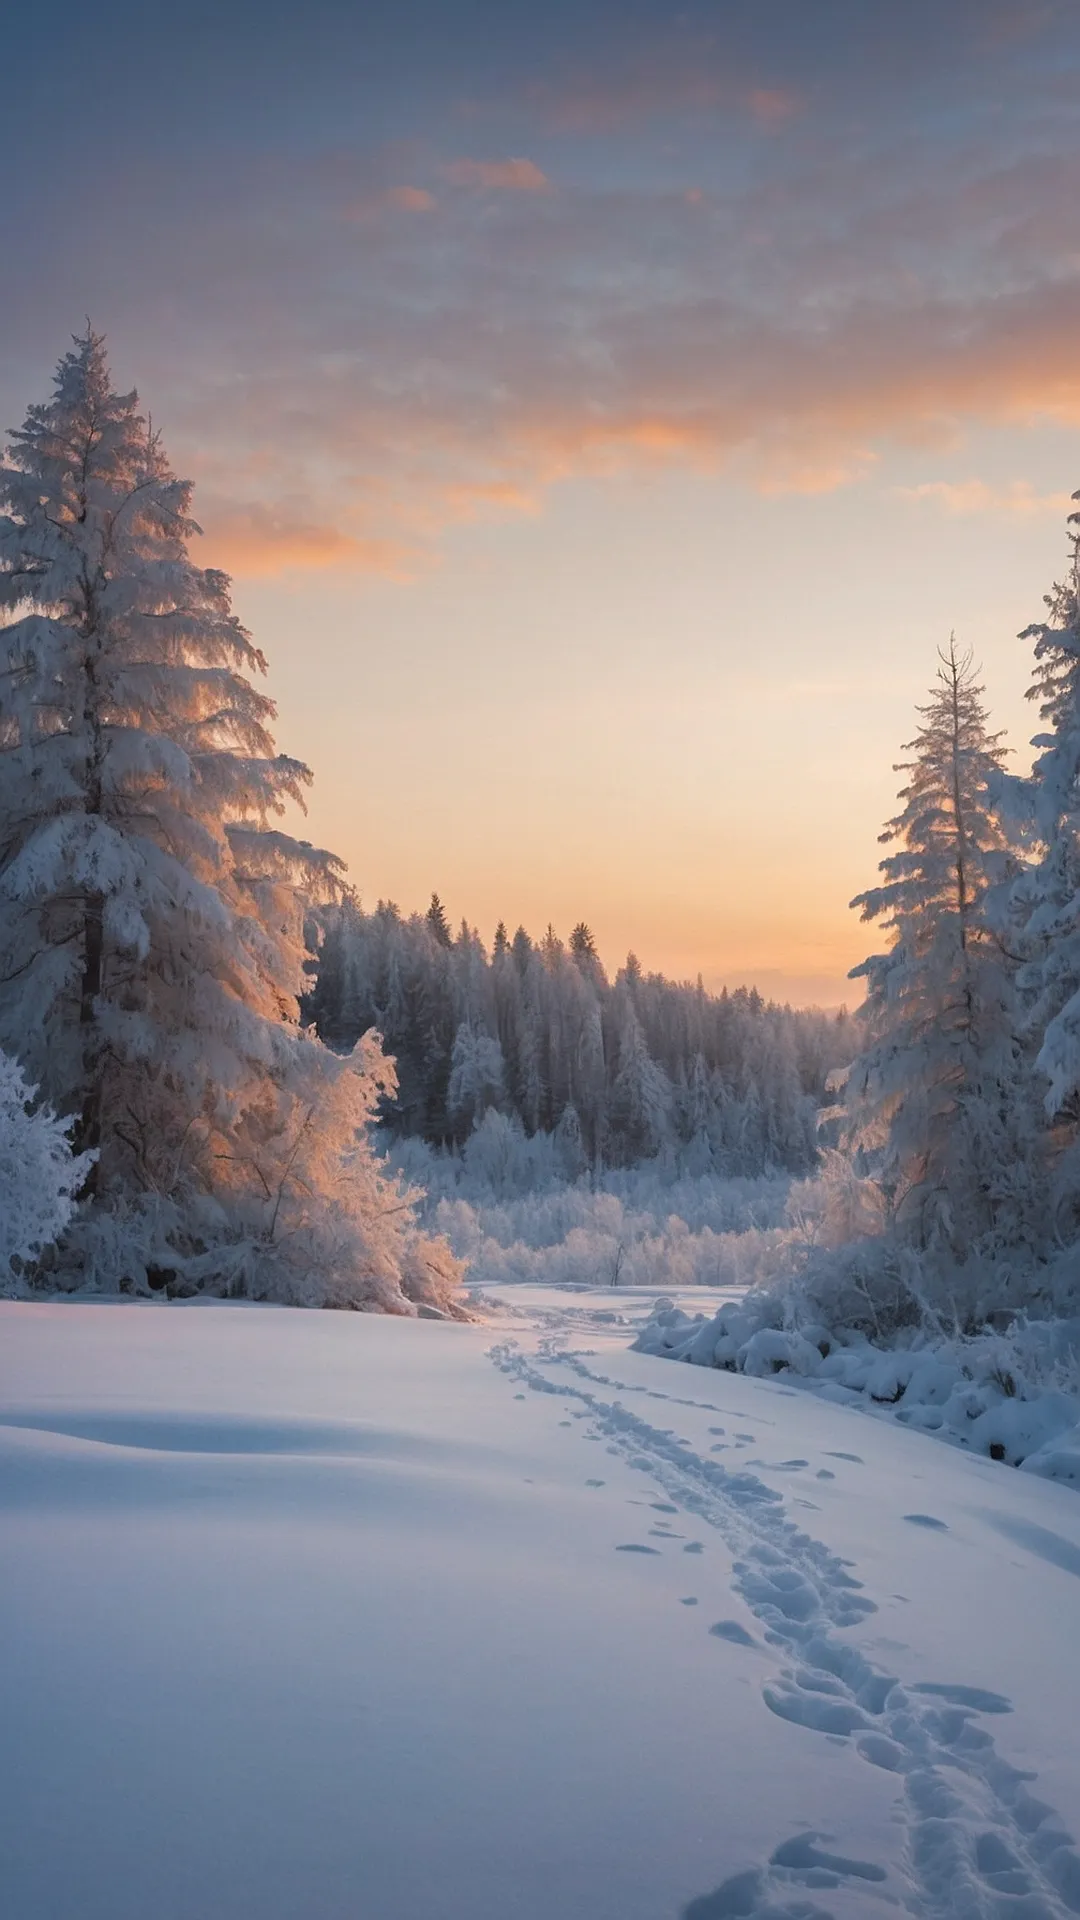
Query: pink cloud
{"points": [[412, 199], [506, 176], [771, 106], [351, 479]]}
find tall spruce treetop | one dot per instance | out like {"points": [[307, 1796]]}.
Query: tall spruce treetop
{"points": [[151, 934], [936, 1098], [1050, 891]]}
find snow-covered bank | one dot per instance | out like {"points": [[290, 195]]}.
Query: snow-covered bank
{"points": [[1011, 1399], [325, 1615]]}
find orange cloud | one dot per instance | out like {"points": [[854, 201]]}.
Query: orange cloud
{"points": [[469, 500], [506, 176], [262, 542], [353, 470]]}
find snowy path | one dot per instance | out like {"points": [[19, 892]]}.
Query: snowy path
{"points": [[316, 1616]]}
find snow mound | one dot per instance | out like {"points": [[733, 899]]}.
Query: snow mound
{"points": [[995, 1395]]}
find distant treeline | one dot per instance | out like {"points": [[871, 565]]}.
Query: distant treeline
{"points": [[619, 1071]]}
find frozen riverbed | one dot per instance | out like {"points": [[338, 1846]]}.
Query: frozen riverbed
{"points": [[313, 1616]]}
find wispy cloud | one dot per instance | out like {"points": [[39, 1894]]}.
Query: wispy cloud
{"points": [[771, 106], [1018, 501], [372, 342], [498, 176], [412, 199], [264, 542]]}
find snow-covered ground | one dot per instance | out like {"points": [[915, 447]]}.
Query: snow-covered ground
{"points": [[313, 1616]]}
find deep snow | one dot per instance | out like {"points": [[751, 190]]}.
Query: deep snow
{"points": [[988, 1392], [313, 1616]]}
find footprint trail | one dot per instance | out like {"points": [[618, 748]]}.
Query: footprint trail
{"points": [[978, 1844]]}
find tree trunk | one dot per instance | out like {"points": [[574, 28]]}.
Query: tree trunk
{"points": [[88, 1130]]}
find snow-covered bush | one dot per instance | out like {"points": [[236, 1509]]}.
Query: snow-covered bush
{"points": [[39, 1174], [505, 1210], [1012, 1397], [838, 1206], [315, 1216]]}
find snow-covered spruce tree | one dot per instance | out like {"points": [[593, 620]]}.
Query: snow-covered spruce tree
{"points": [[39, 1174], [939, 1102], [641, 1095], [1048, 893], [152, 927], [476, 1078]]}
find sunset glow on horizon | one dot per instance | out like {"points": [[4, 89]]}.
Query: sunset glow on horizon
{"points": [[604, 416]]}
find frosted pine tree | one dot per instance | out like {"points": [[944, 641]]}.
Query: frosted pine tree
{"points": [[641, 1096], [938, 1101], [476, 1077], [1049, 893], [152, 934]]}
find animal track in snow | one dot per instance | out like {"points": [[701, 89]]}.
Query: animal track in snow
{"points": [[926, 1520]]}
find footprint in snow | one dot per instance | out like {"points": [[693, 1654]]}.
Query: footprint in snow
{"points": [[596, 1483], [690, 1600], [824, 1474], [731, 1630], [881, 1752], [694, 1546], [999, 1866], [979, 1699], [802, 1855], [926, 1520], [633, 1547], [857, 1457], [742, 1897], [662, 1506]]}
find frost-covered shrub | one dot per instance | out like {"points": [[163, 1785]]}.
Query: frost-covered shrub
{"points": [[838, 1206], [315, 1218], [39, 1174], [1014, 1398], [506, 1212]]}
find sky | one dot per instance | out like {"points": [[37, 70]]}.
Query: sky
{"points": [[605, 412]]}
